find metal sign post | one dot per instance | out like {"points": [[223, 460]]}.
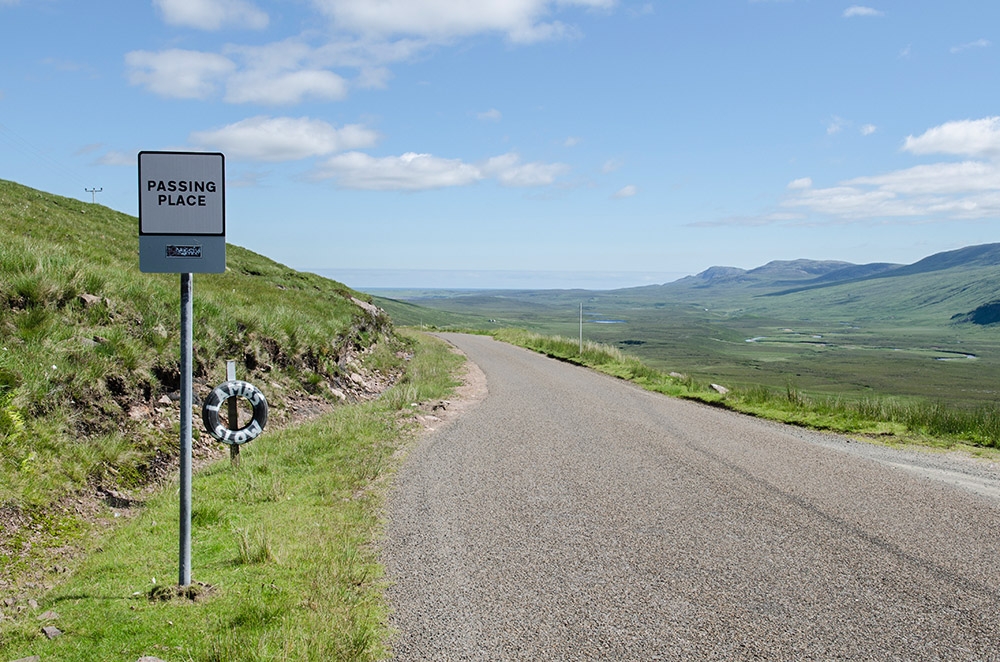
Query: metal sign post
{"points": [[182, 229], [187, 292]]}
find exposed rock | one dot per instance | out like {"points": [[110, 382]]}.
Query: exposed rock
{"points": [[89, 300], [48, 616], [721, 389], [367, 307], [51, 631]]}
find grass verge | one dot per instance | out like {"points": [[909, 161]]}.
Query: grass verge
{"points": [[283, 561], [890, 418]]}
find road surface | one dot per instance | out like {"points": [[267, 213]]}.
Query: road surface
{"points": [[573, 516]]}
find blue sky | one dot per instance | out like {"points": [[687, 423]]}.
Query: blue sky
{"points": [[548, 143]]}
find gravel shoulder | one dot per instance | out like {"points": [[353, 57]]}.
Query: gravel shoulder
{"points": [[569, 515]]}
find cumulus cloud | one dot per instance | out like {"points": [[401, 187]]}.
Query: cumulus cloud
{"points": [[975, 138], [626, 192], [417, 172], [936, 179], [178, 73], [282, 73], [367, 36], [509, 171], [858, 10], [946, 191], [520, 20], [275, 139], [212, 14], [285, 88]]}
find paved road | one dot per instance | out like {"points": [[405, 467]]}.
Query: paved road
{"points": [[572, 516]]}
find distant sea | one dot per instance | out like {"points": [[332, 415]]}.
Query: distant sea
{"points": [[455, 279]]}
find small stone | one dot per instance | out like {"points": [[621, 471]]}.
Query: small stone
{"points": [[51, 631], [149, 658], [33, 658], [48, 616], [721, 389], [33, 604]]}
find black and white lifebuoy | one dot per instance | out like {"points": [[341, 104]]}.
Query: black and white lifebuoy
{"points": [[235, 389]]}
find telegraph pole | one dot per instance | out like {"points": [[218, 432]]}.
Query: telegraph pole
{"points": [[93, 193]]}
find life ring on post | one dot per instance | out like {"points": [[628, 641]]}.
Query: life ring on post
{"points": [[235, 389]]}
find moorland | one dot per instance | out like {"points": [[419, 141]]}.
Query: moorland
{"points": [[926, 331]]}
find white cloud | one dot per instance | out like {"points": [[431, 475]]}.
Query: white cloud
{"points": [[963, 137], [368, 37], [287, 88], [283, 138], [509, 171], [868, 129], [944, 190], [282, 73], [178, 73], [968, 189], [409, 172], [626, 192], [491, 115], [979, 43], [572, 141], [858, 10], [937, 179], [520, 20], [417, 172], [212, 14]]}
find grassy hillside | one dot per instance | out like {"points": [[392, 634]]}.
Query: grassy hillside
{"points": [[89, 351]]}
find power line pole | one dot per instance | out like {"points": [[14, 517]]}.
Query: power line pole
{"points": [[93, 193]]}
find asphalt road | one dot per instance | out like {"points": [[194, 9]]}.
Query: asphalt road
{"points": [[570, 516]]}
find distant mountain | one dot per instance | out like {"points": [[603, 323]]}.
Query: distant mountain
{"points": [[984, 255], [772, 273], [790, 276]]}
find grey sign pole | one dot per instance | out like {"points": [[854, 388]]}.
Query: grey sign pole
{"points": [[186, 397], [182, 230]]}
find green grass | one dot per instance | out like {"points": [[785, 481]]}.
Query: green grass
{"points": [[285, 543], [911, 419], [89, 346]]}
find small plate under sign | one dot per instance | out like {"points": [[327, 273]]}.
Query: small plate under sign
{"points": [[183, 251]]}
